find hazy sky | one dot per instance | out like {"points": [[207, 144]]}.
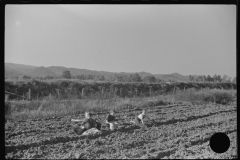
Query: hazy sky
{"points": [[160, 39]]}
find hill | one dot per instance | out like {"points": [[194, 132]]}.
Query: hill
{"points": [[174, 76], [10, 73], [21, 68], [57, 71], [145, 74], [41, 71], [76, 71]]}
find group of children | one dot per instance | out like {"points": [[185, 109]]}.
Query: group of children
{"points": [[89, 122]]}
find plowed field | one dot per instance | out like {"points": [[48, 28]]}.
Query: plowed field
{"points": [[173, 131]]}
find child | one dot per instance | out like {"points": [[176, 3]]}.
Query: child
{"points": [[110, 119], [87, 124], [138, 119]]}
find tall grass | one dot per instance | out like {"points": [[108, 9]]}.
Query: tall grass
{"points": [[49, 107], [53, 107], [205, 95]]}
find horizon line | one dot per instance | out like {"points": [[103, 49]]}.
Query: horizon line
{"points": [[116, 72]]}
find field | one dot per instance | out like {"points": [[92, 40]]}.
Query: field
{"points": [[181, 131]]}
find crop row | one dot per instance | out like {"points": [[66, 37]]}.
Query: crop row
{"points": [[168, 135]]}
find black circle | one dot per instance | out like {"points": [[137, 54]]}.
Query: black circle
{"points": [[219, 142]]}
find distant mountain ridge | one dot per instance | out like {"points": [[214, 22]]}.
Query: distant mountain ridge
{"points": [[42, 71], [21, 68], [11, 72], [173, 76], [12, 69]]}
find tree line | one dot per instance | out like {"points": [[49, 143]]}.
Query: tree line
{"points": [[114, 78], [149, 79], [135, 78], [214, 78]]}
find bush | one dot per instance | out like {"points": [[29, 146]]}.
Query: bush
{"points": [[223, 96], [206, 95]]}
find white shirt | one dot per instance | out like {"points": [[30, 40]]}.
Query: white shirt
{"points": [[141, 116]]}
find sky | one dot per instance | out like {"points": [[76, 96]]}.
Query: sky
{"points": [[160, 39]]}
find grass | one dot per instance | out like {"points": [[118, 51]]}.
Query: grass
{"points": [[22, 110], [53, 107], [205, 95]]}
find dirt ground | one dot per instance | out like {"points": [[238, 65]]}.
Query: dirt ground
{"points": [[173, 131]]}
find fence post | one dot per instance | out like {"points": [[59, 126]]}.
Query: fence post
{"points": [[150, 90], [37, 96], [120, 92], [173, 99], [58, 93], [83, 89], [111, 89], [102, 92], [136, 92], [6, 97], [115, 91], [29, 94]]}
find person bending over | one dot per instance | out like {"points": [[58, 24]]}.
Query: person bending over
{"points": [[86, 124], [140, 118]]}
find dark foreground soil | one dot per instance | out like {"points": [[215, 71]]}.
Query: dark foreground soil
{"points": [[173, 131]]}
